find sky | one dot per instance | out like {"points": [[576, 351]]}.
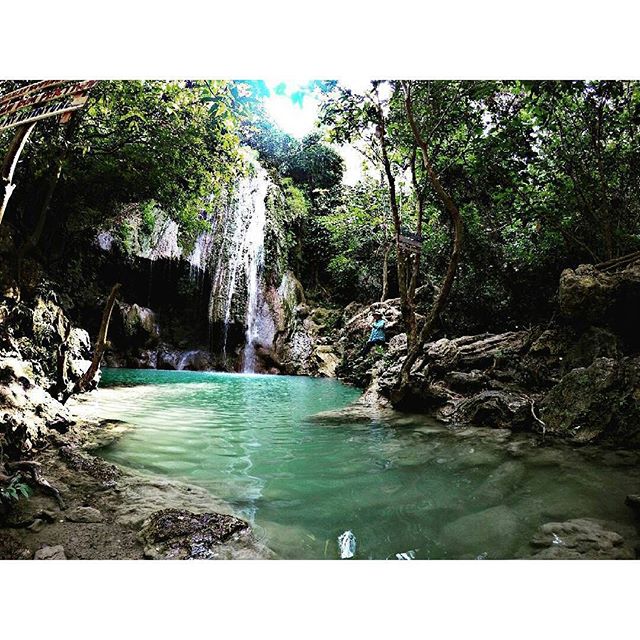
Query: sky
{"points": [[299, 120]]}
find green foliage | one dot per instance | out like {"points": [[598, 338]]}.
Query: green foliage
{"points": [[171, 145], [15, 490], [125, 233], [149, 217], [546, 175]]}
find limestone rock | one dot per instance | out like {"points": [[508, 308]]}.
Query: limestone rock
{"points": [[193, 360], [579, 539], [633, 501], [50, 553], [590, 296], [599, 402], [140, 323]]}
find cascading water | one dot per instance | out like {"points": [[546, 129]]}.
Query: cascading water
{"points": [[254, 265], [237, 274]]}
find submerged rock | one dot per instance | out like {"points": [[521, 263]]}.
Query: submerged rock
{"points": [[494, 528], [183, 535], [500, 483]]}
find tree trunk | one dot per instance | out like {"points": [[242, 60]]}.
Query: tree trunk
{"points": [[447, 282], [407, 304], [10, 163], [101, 342], [385, 273], [54, 178]]}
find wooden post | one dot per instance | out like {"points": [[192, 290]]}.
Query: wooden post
{"points": [[10, 163]]}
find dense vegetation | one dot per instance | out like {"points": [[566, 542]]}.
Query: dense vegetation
{"points": [[545, 175]]}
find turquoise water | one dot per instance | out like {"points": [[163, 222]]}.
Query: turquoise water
{"points": [[405, 484]]}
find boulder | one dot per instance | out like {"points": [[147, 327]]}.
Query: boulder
{"points": [[193, 360], [140, 324], [587, 296], [500, 483], [28, 411], [598, 402], [579, 539], [466, 380]]}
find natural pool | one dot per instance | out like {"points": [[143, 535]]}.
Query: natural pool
{"points": [[401, 484]]}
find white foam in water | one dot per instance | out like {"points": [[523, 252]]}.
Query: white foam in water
{"points": [[347, 544], [407, 555]]}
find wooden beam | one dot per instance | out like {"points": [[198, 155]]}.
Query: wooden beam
{"points": [[10, 163], [42, 112], [8, 107]]}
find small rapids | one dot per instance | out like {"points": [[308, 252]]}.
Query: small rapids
{"points": [[404, 487]]}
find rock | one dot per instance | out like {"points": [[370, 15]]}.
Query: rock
{"points": [[492, 530], [474, 352], [181, 534], [579, 539], [50, 553], [194, 360], [500, 483], [633, 501], [466, 381], [36, 525], [585, 294], [107, 474], [84, 514], [589, 296], [140, 324], [144, 359], [497, 409], [594, 342], [328, 362], [28, 411], [599, 402]]}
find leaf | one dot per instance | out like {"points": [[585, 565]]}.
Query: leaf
{"points": [[24, 490]]}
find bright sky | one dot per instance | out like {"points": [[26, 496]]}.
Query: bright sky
{"points": [[299, 120]]}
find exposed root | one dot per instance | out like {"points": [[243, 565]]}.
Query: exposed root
{"points": [[538, 420], [33, 469]]}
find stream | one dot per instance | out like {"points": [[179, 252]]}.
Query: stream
{"points": [[406, 486]]}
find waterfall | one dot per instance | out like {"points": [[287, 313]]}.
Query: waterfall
{"points": [[255, 265], [237, 274]]}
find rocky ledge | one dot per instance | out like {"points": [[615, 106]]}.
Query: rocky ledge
{"points": [[577, 377]]}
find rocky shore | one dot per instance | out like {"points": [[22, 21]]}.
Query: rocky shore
{"points": [[110, 512]]}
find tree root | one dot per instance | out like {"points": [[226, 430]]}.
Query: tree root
{"points": [[538, 420], [33, 469]]}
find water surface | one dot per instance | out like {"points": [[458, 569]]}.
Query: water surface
{"points": [[402, 485]]}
